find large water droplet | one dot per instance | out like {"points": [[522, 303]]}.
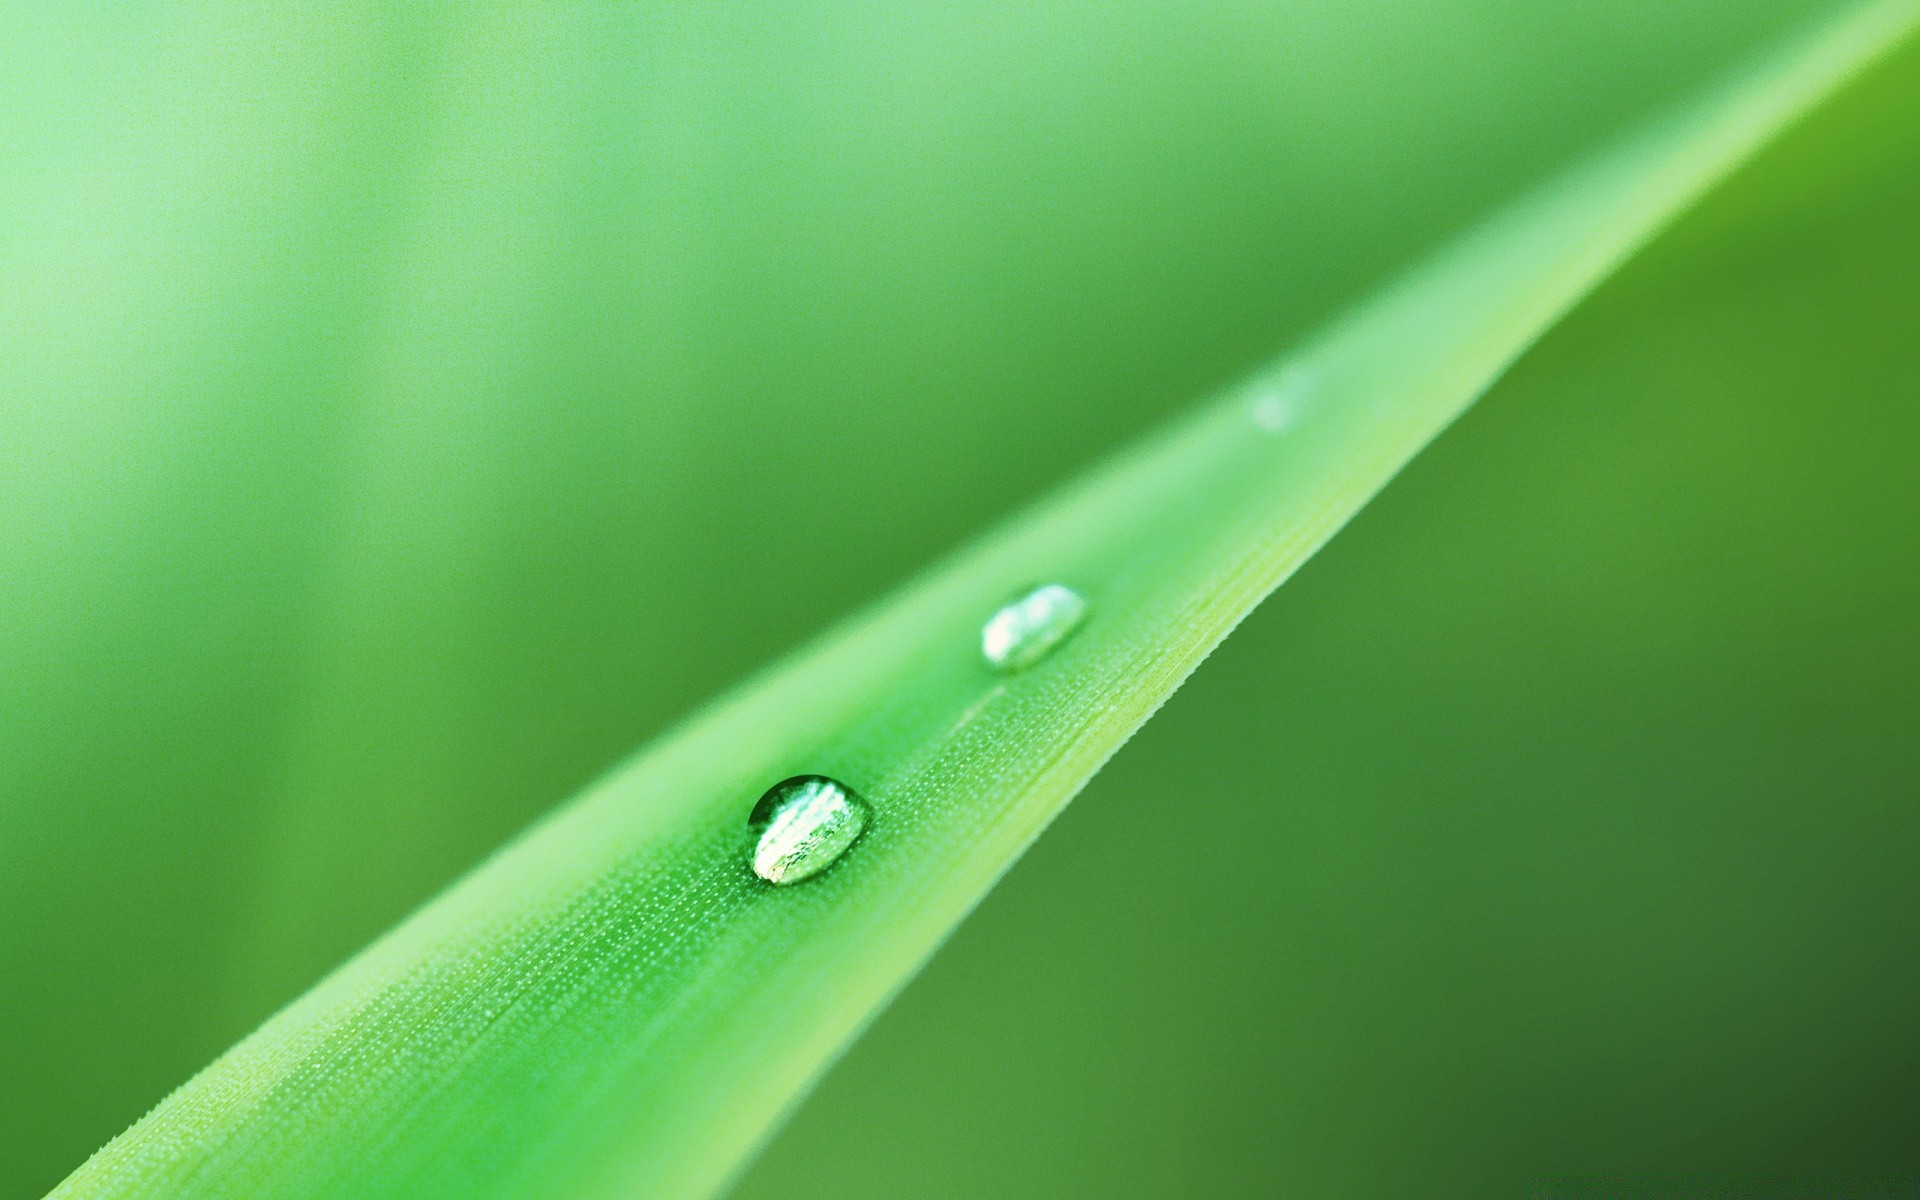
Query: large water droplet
{"points": [[805, 824], [1023, 632]]}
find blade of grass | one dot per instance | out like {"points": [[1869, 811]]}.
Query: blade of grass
{"points": [[615, 1005]]}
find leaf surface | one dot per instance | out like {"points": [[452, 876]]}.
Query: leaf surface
{"points": [[615, 1005]]}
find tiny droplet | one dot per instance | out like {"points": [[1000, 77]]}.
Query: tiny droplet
{"points": [[1278, 407], [804, 824], [1023, 632]]}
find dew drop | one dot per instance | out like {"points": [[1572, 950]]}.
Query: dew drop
{"points": [[1278, 407], [804, 824], [1023, 632]]}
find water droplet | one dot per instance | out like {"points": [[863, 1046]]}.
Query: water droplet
{"points": [[1278, 407], [1021, 633], [805, 824]]}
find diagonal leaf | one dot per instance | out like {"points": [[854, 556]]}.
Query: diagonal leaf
{"points": [[615, 1005]]}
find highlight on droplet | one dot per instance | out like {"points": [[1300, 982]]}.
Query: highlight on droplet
{"points": [[804, 824], [1025, 631]]}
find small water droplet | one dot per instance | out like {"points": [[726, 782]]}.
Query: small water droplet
{"points": [[805, 824], [1278, 407], [1023, 632]]}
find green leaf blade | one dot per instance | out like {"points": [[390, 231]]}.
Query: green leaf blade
{"points": [[614, 1005]]}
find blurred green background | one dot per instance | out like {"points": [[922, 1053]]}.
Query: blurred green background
{"points": [[405, 411]]}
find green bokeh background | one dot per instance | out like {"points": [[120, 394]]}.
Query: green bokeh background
{"points": [[406, 411]]}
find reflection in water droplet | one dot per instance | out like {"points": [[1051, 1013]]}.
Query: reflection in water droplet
{"points": [[1023, 632], [1278, 407], [805, 824]]}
